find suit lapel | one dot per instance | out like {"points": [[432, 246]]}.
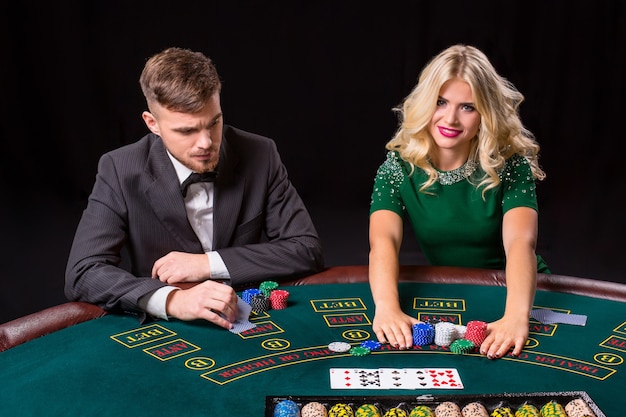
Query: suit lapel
{"points": [[229, 190], [163, 193]]}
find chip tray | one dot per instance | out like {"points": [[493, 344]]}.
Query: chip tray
{"points": [[490, 401]]}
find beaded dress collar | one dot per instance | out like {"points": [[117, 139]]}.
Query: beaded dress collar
{"points": [[456, 175]]}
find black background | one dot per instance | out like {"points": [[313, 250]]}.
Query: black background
{"points": [[321, 79]]}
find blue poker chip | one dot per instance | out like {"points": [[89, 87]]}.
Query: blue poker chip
{"points": [[423, 334], [248, 294], [286, 408], [371, 344]]}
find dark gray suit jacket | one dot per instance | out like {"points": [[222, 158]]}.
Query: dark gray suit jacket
{"points": [[262, 229]]}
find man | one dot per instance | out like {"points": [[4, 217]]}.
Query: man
{"points": [[249, 224]]}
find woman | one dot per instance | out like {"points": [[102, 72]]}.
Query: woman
{"points": [[462, 168]]}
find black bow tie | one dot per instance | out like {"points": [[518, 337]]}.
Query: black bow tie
{"points": [[195, 177]]}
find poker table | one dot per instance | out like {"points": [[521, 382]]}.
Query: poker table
{"points": [[112, 365]]}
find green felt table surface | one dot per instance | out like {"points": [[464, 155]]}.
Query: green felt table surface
{"points": [[114, 366]]}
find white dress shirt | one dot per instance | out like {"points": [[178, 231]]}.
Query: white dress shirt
{"points": [[199, 205]]}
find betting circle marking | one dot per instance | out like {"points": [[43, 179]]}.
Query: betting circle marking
{"points": [[276, 344], [199, 363], [357, 335]]}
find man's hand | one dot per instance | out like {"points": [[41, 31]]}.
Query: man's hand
{"points": [[206, 301], [182, 267]]}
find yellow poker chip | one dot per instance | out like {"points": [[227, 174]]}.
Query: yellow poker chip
{"points": [[421, 411], [502, 412], [396, 412], [553, 409], [341, 410], [367, 410], [527, 410]]}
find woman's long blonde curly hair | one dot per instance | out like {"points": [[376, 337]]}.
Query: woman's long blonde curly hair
{"points": [[501, 133]]}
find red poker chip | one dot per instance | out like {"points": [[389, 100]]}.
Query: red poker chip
{"points": [[476, 331], [278, 299]]}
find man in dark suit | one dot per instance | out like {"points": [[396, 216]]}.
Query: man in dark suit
{"points": [[243, 222]]}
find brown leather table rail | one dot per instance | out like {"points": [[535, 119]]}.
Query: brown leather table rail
{"points": [[473, 276], [23, 329]]}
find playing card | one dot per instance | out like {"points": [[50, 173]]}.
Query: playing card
{"points": [[396, 378], [354, 378], [243, 313], [434, 378], [547, 316]]}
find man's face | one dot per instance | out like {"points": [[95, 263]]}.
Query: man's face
{"points": [[193, 139]]}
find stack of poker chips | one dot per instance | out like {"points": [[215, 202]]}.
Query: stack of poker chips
{"points": [[460, 339], [260, 303], [341, 410], [247, 295], [476, 409], [314, 409], [578, 408], [476, 331], [278, 299], [396, 412], [266, 297], [421, 411], [462, 346], [448, 408], [445, 333], [367, 410], [423, 334], [286, 408], [267, 287], [553, 409], [502, 411], [527, 410]]}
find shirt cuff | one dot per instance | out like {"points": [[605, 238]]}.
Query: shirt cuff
{"points": [[155, 303], [218, 268]]}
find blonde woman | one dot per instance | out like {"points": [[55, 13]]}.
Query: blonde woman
{"points": [[462, 169]]}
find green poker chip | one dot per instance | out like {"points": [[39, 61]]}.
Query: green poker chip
{"points": [[359, 351], [267, 287], [462, 346]]}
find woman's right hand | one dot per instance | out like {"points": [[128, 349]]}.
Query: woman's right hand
{"points": [[394, 327]]}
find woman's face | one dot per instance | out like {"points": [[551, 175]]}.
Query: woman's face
{"points": [[455, 121]]}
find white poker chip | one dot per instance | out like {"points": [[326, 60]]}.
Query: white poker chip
{"points": [[339, 346]]}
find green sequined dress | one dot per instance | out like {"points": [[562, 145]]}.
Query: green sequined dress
{"points": [[453, 224]]}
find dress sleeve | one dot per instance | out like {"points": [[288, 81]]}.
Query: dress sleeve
{"points": [[519, 188], [387, 184]]}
